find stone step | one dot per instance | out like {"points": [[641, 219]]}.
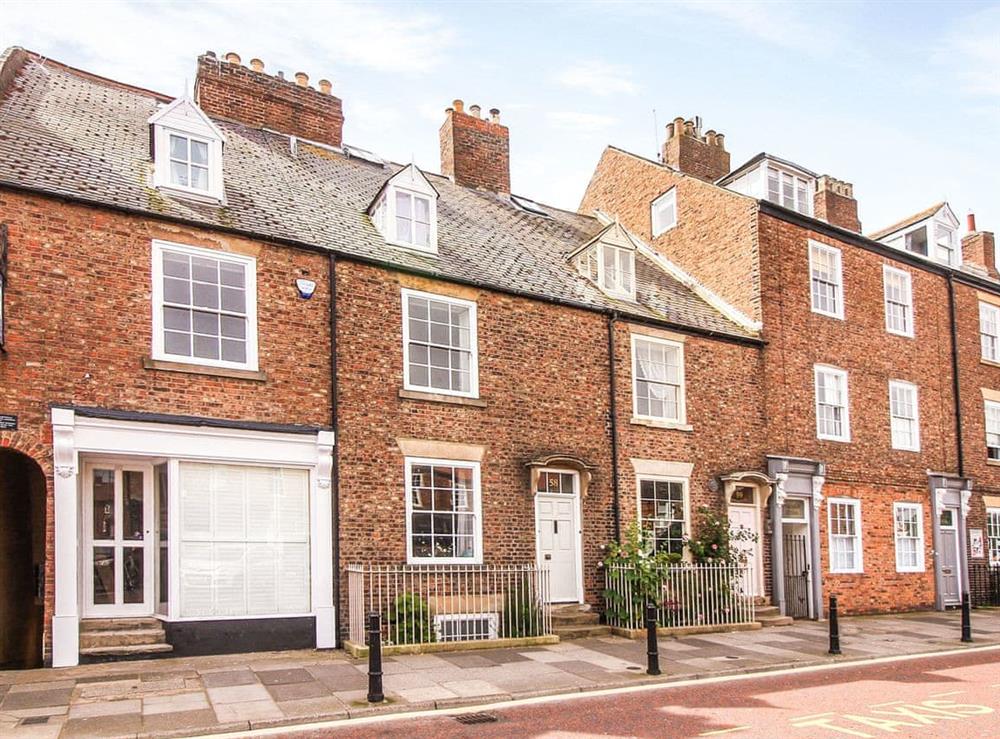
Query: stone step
{"points": [[767, 621], [574, 619], [767, 611], [134, 651], [118, 624], [580, 632], [122, 638]]}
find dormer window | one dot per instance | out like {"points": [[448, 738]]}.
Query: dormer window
{"points": [[187, 151], [405, 211], [932, 233], [768, 177], [617, 270], [664, 212], [188, 162], [789, 190], [608, 260]]}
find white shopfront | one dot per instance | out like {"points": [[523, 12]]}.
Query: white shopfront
{"points": [[173, 518]]}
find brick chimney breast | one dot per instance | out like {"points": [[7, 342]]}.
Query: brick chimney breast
{"points": [[247, 95], [701, 156], [834, 203], [475, 151], [979, 248]]}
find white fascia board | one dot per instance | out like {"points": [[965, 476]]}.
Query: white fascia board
{"points": [[185, 101], [114, 437]]}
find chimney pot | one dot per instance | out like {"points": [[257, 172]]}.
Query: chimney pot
{"points": [[710, 137], [689, 128], [256, 65], [458, 105], [720, 140], [495, 115], [678, 126], [970, 221], [325, 86], [474, 110], [232, 57], [302, 79], [210, 53], [281, 74]]}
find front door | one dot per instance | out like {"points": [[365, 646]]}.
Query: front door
{"points": [[948, 558], [557, 531], [117, 526], [745, 517]]}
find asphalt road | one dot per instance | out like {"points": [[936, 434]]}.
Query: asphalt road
{"points": [[942, 696]]}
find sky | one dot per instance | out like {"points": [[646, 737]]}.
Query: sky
{"points": [[900, 98]]}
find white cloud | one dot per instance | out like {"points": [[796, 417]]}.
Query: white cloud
{"points": [[971, 51], [580, 123], [154, 44], [598, 78]]}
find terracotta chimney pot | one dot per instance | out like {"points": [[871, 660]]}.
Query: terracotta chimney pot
{"points": [[458, 105], [325, 86], [474, 110], [970, 221], [256, 65], [233, 58], [302, 79], [495, 115]]}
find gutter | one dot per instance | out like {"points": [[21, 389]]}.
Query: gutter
{"points": [[613, 410], [391, 266], [956, 384], [862, 241], [335, 475]]}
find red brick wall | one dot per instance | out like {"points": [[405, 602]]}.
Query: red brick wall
{"points": [[715, 236], [79, 325], [879, 588], [475, 151], [837, 210], [228, 90]]}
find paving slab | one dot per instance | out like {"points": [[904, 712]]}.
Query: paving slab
{"points": [[298, 691], [104, 708], [283, 677], [238, 694], [248, 711], [329, 707], [37, 699], [229, 678], [105, 727], [179, 722], [181, 702]]}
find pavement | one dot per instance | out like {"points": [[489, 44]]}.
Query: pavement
{"points": [[232, 693], [946, 696]]}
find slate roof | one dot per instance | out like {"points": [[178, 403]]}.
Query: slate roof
{"points": [[72, 134], [909, 221]]}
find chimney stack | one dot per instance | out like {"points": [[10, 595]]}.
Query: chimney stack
{"points": [[979, 248], [701, 156], [834, 203], [247, 95], [475, 151]]}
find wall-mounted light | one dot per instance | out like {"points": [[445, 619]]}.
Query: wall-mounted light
{"points": [[306, 288]]}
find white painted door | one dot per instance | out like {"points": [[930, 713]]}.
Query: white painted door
{"points": [[746, 517], [558, 536], [949, 561], [117, 526]]}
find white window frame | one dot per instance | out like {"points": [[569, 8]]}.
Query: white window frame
{"points": [[617, 288], [919, 509], [859, 565], [989, 313], [808, 185], [477, 506], [681, 420], [492, 620], [250, 271], [473, 392], [993, 536], [989, 405], [685, 492], [909, 387], [658, 225], [411, 181], [161, 168], [907, 289], [838, 311], [846, 423]]}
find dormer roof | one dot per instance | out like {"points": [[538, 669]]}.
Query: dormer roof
{"points": [[916, 218], [183, 114], [409, 177], [755, 160]]}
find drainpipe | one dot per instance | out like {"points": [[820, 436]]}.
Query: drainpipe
{"points": [[613, 407], [335, 476], [956, 384]]}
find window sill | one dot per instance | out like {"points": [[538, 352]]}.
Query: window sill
{"points": [[847, 572], [201, 369], [990, 362], [658, 424], [442, 398], [993, 462], [200, 196]]}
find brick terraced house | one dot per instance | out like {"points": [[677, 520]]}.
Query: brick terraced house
{"points": [[879, 367], [240, 356]]}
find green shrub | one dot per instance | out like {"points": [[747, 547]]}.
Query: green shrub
{"points": [[409, 621]]}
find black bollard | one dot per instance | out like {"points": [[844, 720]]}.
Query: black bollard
{"points": [[966, 618], [375, 694], [834, 627], [652, 646]]}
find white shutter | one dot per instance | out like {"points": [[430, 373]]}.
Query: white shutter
{"points": [[262, 586], [229, 579], [196, 501], [196, 579], [228, 500]]}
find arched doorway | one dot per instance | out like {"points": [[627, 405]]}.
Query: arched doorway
{"points": [[22, 560]]}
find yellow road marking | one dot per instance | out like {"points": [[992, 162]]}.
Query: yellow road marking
{"points": [[724, 731]]}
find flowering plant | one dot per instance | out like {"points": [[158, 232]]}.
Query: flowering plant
{"points": [[715, 539]]}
